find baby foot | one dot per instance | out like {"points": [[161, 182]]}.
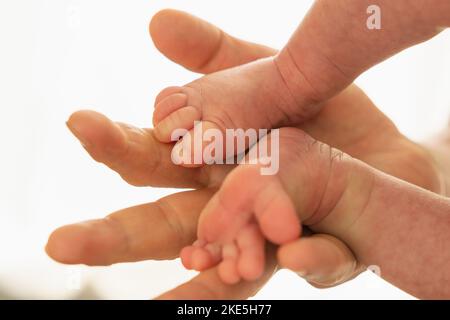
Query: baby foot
{"points": [[234, 225], [250, 208], [254, 95]]}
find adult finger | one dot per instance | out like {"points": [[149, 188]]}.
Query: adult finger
{"points": [[200, 46], [136, 154], [155, 230], [323, 260]]}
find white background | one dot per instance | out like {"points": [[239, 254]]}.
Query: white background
{"points": [[58, 56]]}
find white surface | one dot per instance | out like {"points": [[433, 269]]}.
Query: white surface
{"points": [[58, 56]]}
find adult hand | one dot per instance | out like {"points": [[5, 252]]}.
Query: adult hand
{"points": [[158, 230]]}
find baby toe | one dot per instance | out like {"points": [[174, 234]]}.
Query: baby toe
{"points": [[195, 149], [186, 256], [177, 124], [168, 105], [251, 245], [276, 213], [228, 270], [204, 257], [167, 92]]}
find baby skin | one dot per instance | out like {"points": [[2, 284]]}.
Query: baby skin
{"points": [[329, 192], [250, 208], [284, 90], [320, 60]]}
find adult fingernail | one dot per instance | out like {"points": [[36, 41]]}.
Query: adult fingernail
{"points": [[73, 127]]}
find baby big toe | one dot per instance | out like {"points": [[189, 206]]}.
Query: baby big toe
{"points": [[276, 213], [194, 150], [201, 256]]}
